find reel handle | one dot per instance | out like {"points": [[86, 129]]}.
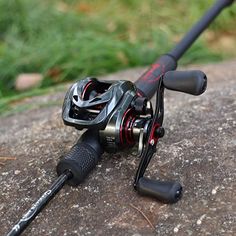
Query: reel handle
{"points": [[192, 82], [82, 158], [164, 191]]}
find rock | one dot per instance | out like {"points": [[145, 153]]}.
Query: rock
{"points": [[28, 81], [193, 151], [16, 172]]}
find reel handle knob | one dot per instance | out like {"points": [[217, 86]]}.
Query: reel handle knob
{"points": [[164, 191], [82, 158], [192, 82]]}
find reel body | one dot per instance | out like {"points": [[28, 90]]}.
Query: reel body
{"points": [[114, 108]]}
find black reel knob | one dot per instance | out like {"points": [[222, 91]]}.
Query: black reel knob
{"points": [[164, 191]]}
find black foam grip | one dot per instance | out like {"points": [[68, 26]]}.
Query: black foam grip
{"points": [[164, 191], [192, 82], [81, 160]]}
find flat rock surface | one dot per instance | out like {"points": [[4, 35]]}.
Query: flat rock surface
{"points": [[198, 150]]}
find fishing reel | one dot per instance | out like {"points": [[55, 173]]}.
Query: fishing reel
{"points": [[123, 118], [114, 108]]}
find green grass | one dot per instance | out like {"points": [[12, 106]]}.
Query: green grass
{"points": [[66, 40], [11, 104]]}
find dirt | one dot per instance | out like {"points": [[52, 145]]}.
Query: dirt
{"points": [[198, 150]]}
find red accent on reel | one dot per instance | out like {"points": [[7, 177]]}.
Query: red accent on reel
{"points": [[126, 133], [85, 89]]}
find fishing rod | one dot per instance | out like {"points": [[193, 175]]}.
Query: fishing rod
{"points": [[118, 115]]}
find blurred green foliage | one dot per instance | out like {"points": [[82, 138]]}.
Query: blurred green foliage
{"points": [[66, 40]]}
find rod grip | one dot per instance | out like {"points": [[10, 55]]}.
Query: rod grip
{"points": [[82, 158], [164, 191], [192, 82], [148, 83]]}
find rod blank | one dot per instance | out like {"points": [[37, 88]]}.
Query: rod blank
{"points": [[40, 204]]}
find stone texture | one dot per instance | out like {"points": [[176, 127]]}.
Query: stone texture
{"points": [[198, 150], [28, 81]]}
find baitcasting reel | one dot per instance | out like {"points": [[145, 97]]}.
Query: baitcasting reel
{"points": [[122, 117]]}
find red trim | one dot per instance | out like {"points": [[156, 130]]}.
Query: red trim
{"points": [[139, 94], [150, 71], [131, 133], [125, 131], [121, 126], [149, 76], [85, 88]]}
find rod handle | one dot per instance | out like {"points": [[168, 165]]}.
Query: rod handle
{"points": [[82, 158]]}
